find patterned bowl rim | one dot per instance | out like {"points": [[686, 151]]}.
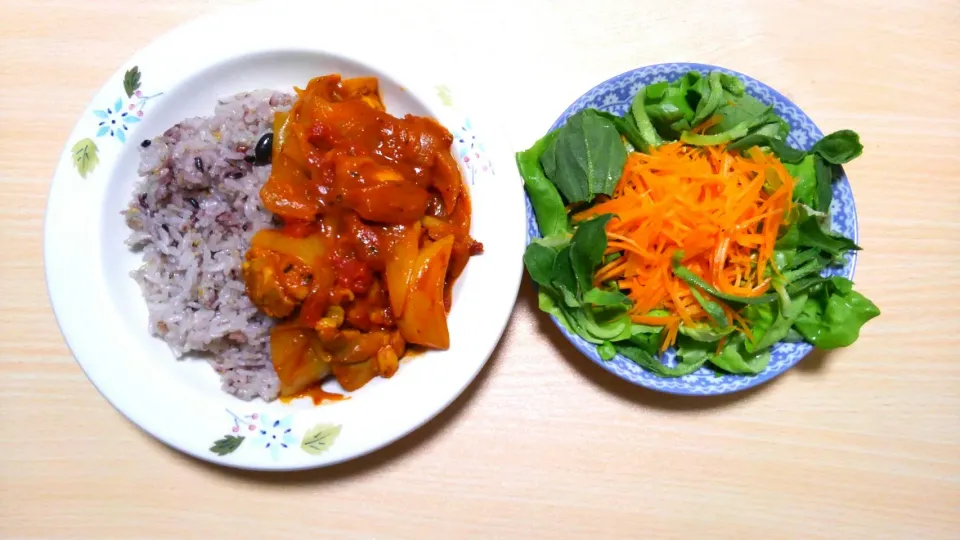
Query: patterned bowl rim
{"points": [[671, 71]]}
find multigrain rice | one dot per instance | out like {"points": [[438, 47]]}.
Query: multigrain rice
{"points": [[192, 215]]}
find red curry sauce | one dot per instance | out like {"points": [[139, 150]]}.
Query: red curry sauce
{"points": [[376, 222]]}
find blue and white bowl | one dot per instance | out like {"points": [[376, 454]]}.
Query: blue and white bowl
{"points": [[614, 95]]}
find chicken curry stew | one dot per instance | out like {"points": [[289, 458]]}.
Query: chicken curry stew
{"points": [[375, 230]]}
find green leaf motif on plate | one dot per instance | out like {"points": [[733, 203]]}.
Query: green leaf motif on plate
{"points": [[445, 95], [84, 155], [227, 445], [319, 438], [131, 81]]}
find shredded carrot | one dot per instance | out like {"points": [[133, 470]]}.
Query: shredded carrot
{"points": [[722, 209]]}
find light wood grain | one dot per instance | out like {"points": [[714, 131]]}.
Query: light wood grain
{"points": [[860, 443]]}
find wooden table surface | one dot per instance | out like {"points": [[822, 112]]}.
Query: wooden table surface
{"points": [[858, 443]]}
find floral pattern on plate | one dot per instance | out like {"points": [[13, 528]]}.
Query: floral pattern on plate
{"points": [[274, 436], [114, 120]]}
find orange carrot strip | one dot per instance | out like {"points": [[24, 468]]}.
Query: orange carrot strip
{"points": [[707, 202]]}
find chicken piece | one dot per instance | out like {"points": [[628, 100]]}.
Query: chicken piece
{"points": [[276, 283], [287, 192], [366, 89], [352, 346], [388, 202], [387, 362], [423, 140], [377, 192]]}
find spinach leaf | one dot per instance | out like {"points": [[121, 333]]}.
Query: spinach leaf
{"points": [[581, 320], [768, 329], [587, 247], [547, 205], [697, 139], [655, 92], [570, 298], [586, 158], [805, 180], [711, 100], [782, 150], [825, 175], [801, 258], [766, 124], [738, 109], [812, 235], [793, 336], [806, 263], [693, 351], [562, 276], [606, 299], [839, 147], [696, 281], [595, 329], [575, 320], [686, 364], [646, 328], [664, 115], [732, 84], [800, 212], [647, 336], [539, 261], [548, 304], [801, 285], [626, 128], [833, 316], [690, 81], [712, 308], [644, 126], [785, 249], [769, 124], [760, 318], [705, 333], [607, 351], [563, 267], [671, 110], [734, 358], [649, 342]]}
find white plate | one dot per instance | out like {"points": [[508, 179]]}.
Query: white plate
{"points": [[103, 315]]}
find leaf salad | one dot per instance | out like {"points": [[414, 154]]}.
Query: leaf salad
{"points": [[689, 223]]}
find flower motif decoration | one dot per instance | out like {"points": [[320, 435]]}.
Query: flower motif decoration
{"points": [[114, 120], [274, 435], [609, 99], [466, 147], [471, 151]]}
